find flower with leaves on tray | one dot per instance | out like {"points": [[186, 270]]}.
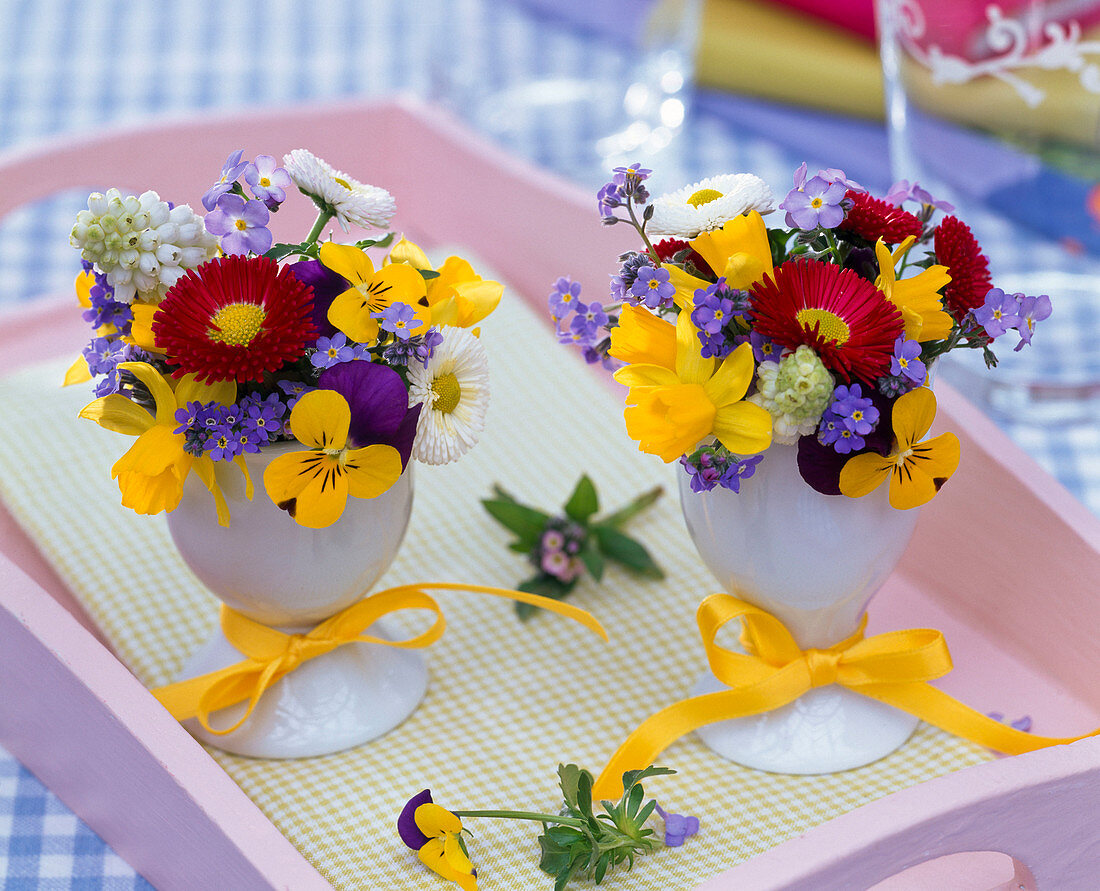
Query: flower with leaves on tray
{"points": [[211, 342], [733, 335]]}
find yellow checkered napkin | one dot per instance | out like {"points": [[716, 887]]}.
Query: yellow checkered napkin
{"points": [[507, 701]]}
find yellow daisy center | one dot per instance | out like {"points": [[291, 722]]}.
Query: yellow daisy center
{"points": [[237, 324], [343, 182], [704, 196], [829, 325], [447, 393]]}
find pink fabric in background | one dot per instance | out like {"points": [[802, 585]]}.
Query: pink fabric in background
{"points": [[857, 16]]}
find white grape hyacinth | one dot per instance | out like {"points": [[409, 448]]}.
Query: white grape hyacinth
{"points": [[349, 200], [454, 392], [141, 244]]}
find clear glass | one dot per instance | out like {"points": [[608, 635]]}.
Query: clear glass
{"points": [[623, 77], [996, 107]]}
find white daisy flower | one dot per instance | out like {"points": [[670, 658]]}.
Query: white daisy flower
{"points": [[709, 204], [349, 200], [454, 390]]}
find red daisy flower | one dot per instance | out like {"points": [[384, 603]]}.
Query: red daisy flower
{"points": [[958, 250], [234, 318], [668, 248], [875, 219], [848, 322]]}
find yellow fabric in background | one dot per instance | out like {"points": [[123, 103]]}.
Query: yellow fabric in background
{"points": [[774, 52], [507, 701]]}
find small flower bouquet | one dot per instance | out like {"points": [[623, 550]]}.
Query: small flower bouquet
{"points": [[732, 335], [211, 342]]}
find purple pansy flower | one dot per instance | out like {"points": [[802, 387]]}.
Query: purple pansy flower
{"points": [[241, 225], [906, 361], [396, 319], [379, 404], [327, 286], [653, 288], [267, 180], [999, 312], [232, 168], [818, 203], [332, 351], [406, 823], [1031, 310], [677, 827]]}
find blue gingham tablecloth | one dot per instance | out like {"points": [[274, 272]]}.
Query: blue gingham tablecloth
{"points": [[74, 66]]}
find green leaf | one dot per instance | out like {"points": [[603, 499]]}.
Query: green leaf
{"points": [[644, 813], [428, 274], [544, 585], [526, 522], [384, 241], [584, 793], [583, 502], [632, 509], [569, 778], [601, 867], [634, 800], [592, 558], [519, 547], [625, 550]]}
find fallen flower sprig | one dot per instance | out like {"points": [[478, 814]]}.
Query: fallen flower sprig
{"points": [[563, 547], [576, 843]]}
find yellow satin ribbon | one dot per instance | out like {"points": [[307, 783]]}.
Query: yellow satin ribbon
{"points": [[271, 654], [893, 668]]}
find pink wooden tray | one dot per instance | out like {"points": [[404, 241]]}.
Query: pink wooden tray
{"points": [[1004, 563]]}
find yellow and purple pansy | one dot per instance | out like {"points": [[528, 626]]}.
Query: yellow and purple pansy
{"points": [[436, 836]]}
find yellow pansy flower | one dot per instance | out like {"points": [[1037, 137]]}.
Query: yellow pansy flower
{"points": [[313, 486], [918, 297], [916, 469], [371, 291], [443, 853], [670, 409], [152, 472], [739, 251]]}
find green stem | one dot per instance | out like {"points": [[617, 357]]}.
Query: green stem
{"points": [[641, 231], [525, 815], [322, 218]]}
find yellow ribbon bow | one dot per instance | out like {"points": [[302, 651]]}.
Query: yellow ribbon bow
{"points": [[893, 667], [270, 654]]}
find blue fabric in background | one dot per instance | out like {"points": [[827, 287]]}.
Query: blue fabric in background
{"points": [[70, 67]]}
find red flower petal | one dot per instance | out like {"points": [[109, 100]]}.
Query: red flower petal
{"points": [[235, 318], [874, 219], [958, 250], [846, 320]]}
